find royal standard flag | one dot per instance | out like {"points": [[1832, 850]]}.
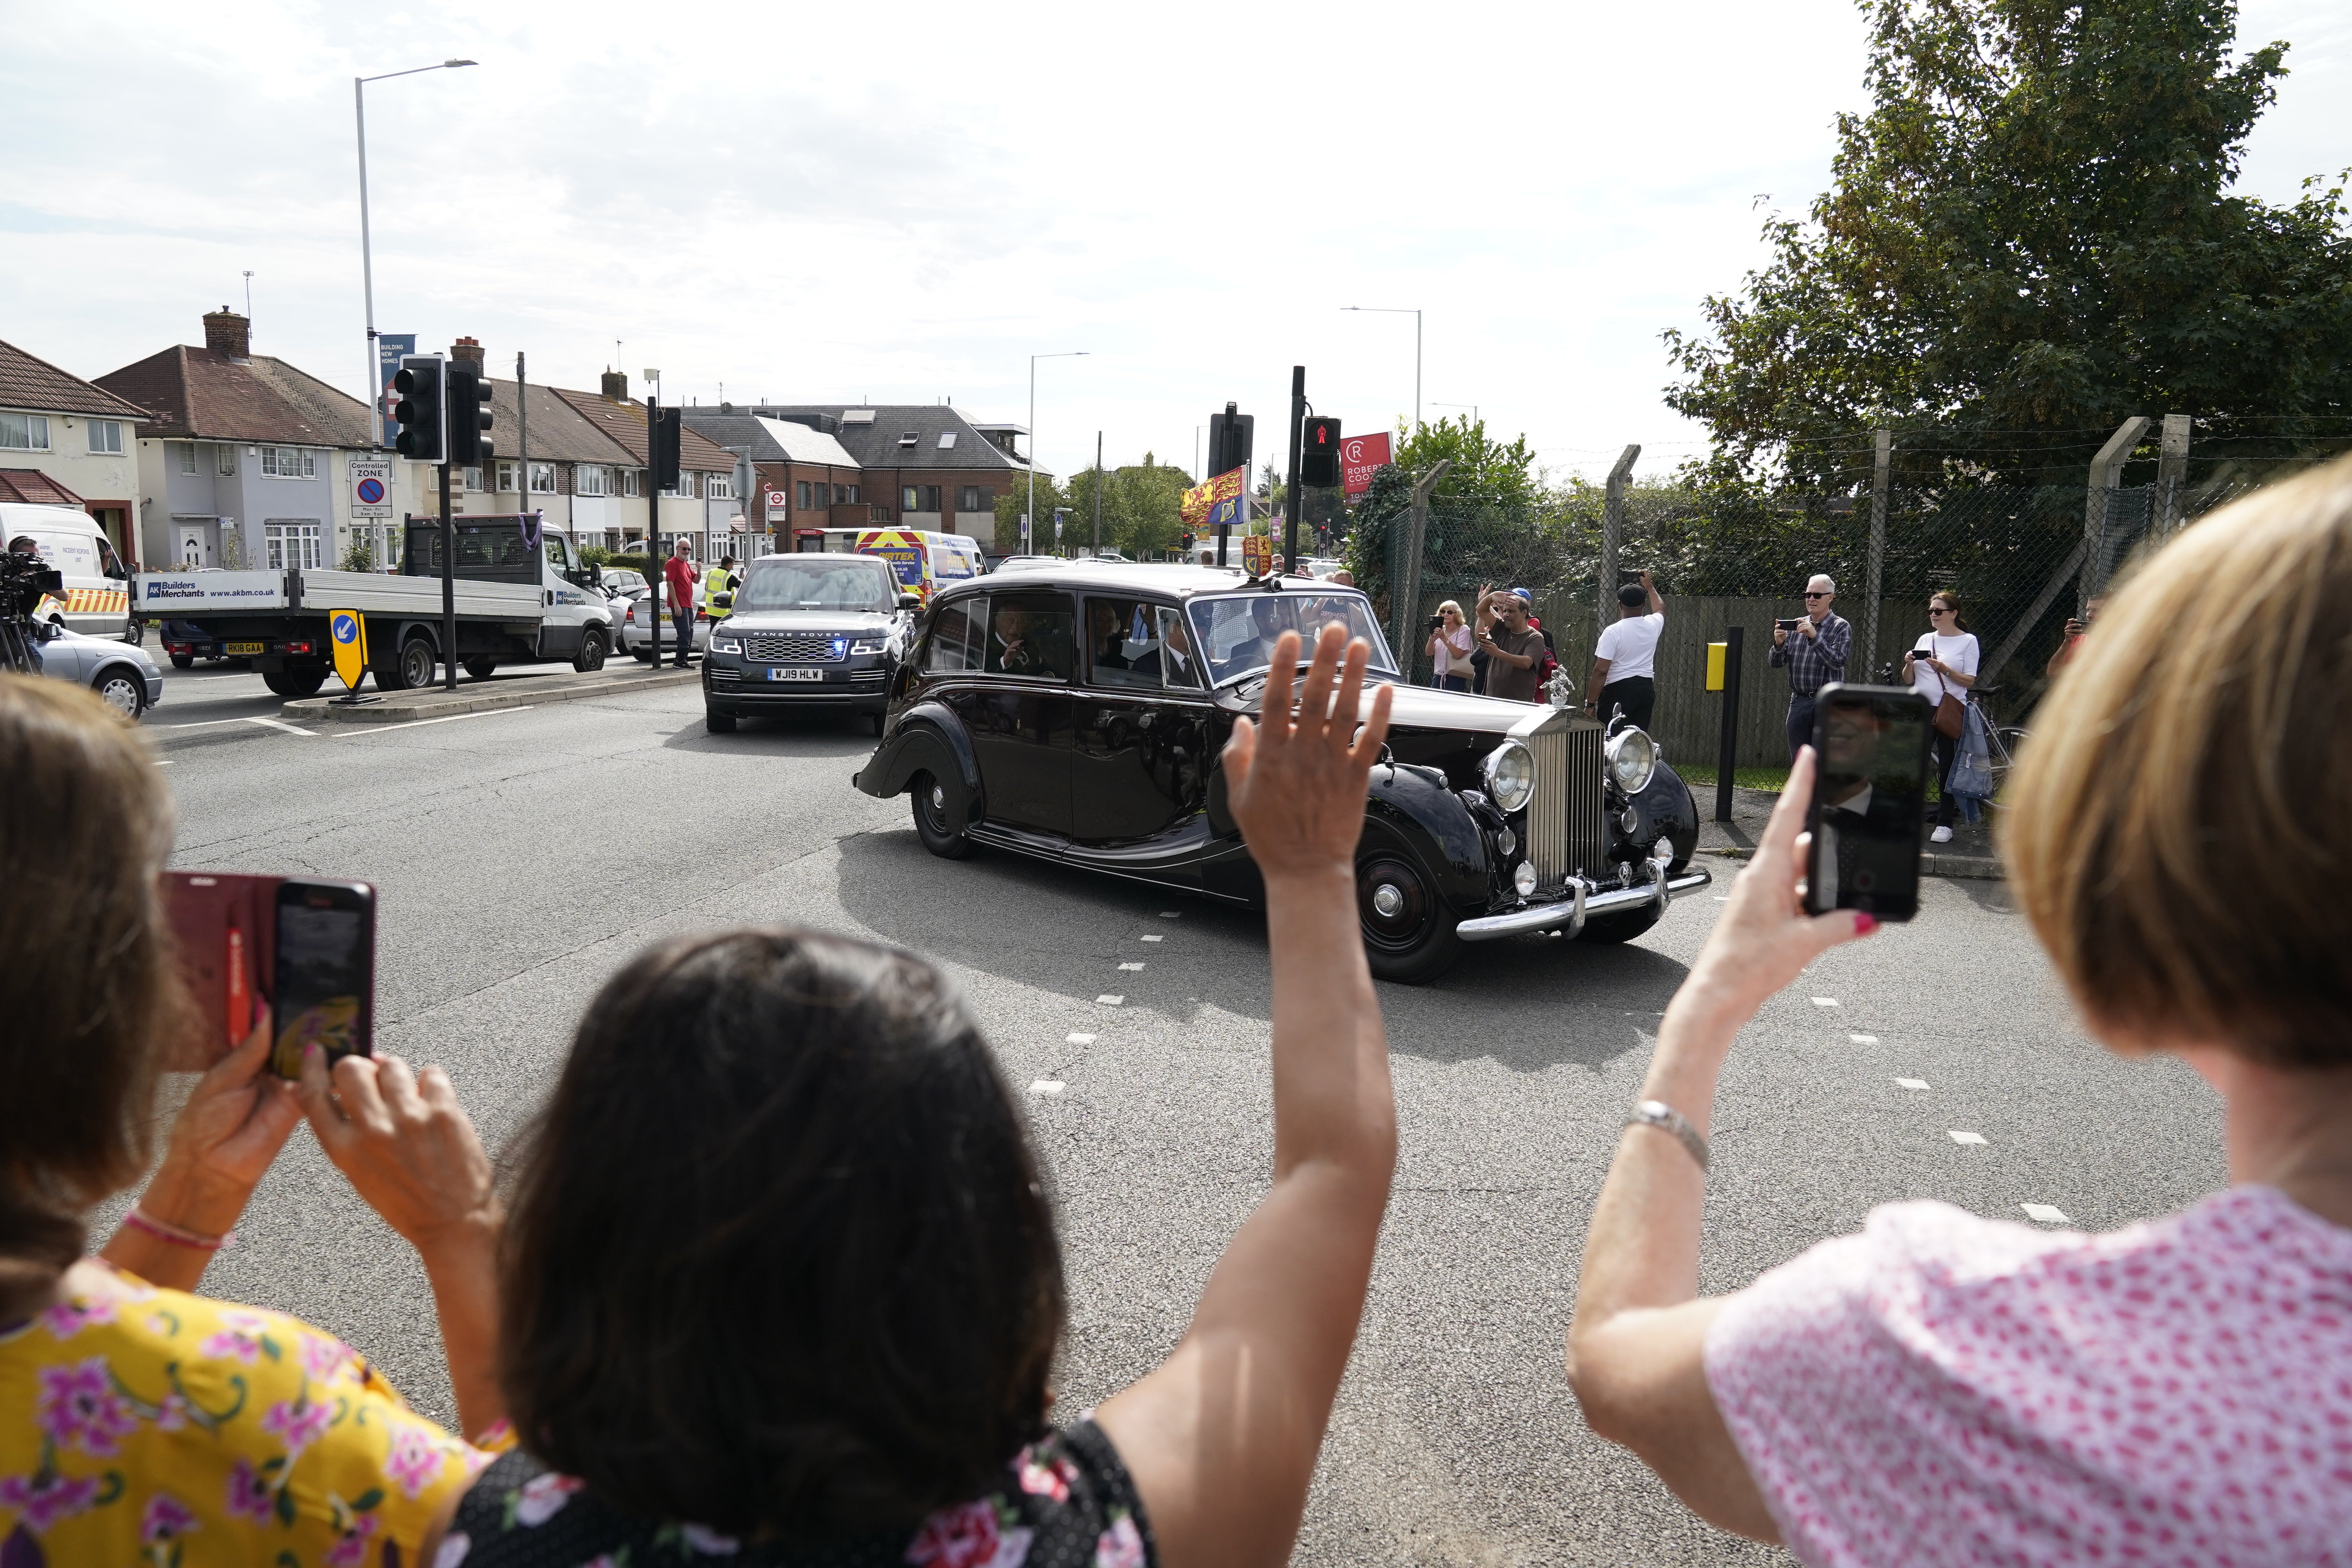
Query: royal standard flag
{"points": [[1214, 503]]}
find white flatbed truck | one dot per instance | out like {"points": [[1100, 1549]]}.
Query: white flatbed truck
{"points": [[521, 594]]}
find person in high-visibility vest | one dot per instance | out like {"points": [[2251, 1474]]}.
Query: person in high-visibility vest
{"points": [[720, 579]]}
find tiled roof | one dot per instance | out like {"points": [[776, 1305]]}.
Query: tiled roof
{"points": [[41, 387], [767, 440], [35, 488], [205, 394], [624, 424], [559, 433], [881, 443]]}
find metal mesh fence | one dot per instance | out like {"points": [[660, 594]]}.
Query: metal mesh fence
{"points": [[2015, 555]]}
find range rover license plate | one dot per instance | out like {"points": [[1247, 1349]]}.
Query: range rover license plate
{"points": [[244, 649], [795, 675]]}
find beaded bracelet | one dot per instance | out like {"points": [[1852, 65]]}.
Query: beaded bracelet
{"points": [[163, 1230]]}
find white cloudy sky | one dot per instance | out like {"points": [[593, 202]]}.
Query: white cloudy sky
{"points": [[904, 202]]}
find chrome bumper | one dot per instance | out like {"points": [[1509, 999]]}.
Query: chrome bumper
{"points": [[1585, 899]]}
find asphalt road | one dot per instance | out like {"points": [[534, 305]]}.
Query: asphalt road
{"points": [[522, 855]]}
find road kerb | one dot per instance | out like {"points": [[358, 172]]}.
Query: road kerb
{"points": [[404, 707]]}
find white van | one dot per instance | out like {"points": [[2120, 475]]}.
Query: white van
{"points": [[97, 598]]}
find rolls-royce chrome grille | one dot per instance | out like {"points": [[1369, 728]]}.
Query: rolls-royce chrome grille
{"points": [[1568, 830], [795, 648]]}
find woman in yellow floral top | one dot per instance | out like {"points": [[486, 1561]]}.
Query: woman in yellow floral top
{"points": [[141, 1424]]}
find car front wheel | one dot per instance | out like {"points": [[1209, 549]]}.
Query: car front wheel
{"points": [[937, 802], [1409, 932], [122, 691]]}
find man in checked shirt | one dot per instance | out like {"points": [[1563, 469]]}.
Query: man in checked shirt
{"points": [[1815, 654]]}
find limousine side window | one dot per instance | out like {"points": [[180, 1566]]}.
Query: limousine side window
{"points": [[958, 636], [1033, 635], [1123, 643]]}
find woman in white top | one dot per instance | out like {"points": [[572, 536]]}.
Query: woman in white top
{"points": [[1449, 649], [1945, 661]]}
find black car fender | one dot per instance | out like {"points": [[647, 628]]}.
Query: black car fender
{"points": [[1420, 807], [927, 738], [1665, 805]]}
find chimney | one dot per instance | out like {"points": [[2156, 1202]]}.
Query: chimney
{"points": [[227, 333], [617, 386], [469, 350]]}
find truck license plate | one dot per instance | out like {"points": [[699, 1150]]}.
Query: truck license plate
{"points": [[244, 649], [795, 675]]}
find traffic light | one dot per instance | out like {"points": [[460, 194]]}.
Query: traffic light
{"points": [[1230, 436], [1188, 542], [664, 441], [423, 408], [468, 398], [1319, 454]]}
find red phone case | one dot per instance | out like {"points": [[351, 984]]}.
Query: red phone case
{"points": [[225, 924]]}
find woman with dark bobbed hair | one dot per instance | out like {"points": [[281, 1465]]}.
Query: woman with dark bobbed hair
{"points": [[781, 1281], [1947, 1389]]}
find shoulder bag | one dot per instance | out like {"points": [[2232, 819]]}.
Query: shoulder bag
{"points": [[1951, 713]]}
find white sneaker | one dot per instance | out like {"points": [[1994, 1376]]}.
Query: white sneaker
{"points": [[1941, 834]]}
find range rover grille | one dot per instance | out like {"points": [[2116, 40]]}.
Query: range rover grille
{"points": [[797, 648], [1568, 828]]}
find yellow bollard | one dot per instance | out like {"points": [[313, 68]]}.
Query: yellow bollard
{"points": [[1715, 658]]}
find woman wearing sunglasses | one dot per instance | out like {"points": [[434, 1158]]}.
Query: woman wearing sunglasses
{"points": [[1944, 664]]}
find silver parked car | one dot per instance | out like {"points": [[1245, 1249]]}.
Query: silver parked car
{"points": [[123, 675]]}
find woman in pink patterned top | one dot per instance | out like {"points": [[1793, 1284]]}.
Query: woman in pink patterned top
{"points": [[1946, 1389]]}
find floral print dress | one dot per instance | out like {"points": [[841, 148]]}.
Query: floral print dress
{"points": [[154, 1428], [1064, 1501]]}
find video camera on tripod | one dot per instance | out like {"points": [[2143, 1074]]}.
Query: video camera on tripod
{"points": [[25, 582]]}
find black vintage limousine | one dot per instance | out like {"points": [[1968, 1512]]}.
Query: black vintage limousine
{"points": [[1076, 713]]}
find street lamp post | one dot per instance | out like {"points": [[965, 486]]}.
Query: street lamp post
{"points": [[1029, 513], [1471, 406], [1401, 311], [374, 381]]}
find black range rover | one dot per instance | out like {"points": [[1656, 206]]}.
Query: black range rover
{"points": [[1077, 715], [807, 631]]}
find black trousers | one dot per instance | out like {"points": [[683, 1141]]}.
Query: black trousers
{"points": [[1947, 752], [1636, 694], [1800, 724]]}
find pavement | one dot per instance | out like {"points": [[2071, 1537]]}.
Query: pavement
{"points": [[522, 854], [531, 687], [1970, 854]]}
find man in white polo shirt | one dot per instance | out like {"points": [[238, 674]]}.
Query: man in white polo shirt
{"points": [[1625, 661]]}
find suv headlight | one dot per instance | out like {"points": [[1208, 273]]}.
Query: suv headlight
{"points": [[725, 645], [1633, 760], [868, 645], [1510, 774]]}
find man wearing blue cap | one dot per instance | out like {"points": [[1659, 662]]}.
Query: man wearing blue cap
{"points": [[1514, 649]]}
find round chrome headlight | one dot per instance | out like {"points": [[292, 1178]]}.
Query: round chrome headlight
{"points": [[1633, 760], [1523, 878], [1510, 774]]}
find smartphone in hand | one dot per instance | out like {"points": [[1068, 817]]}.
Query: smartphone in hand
{"points": [[325, 992], [304, 948], [1869, 811]]}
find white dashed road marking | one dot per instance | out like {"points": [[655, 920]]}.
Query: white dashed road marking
{"points": [[1912, 1082], [1130, 967], [1863, 1039], [1156, 936], [1968, 1137], [1109, 1001], [1081, 1039], [2045, 1213], [450, 718], [289, 729], [1048, 1086], [1824, 1001], [1171, 914]]}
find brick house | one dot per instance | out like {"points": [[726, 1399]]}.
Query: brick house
{"points": [[64, 442], [797, 477]]}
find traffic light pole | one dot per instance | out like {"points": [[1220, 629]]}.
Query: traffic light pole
{"points": [[654, 563], [1290, 502], [448, 589]]}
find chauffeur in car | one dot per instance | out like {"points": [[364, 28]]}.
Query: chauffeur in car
{"points": [[1079, 715]]}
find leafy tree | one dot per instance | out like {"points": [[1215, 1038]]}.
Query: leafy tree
{"points": [[2029, 237], [1484, 472], [1143, 507], [1014, 501]]}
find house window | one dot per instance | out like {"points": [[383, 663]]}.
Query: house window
{"points": [[805, 503], [852, 498], [542, 478], [187, 457], [947, 440], [225, 461], [105, 435], [290, 463], [632, 481], [292, 542], [506, 472], [24, 432], [473, 479], [910, 438], [973, 498], [719, 486], [919, 497], [588, 479]]}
